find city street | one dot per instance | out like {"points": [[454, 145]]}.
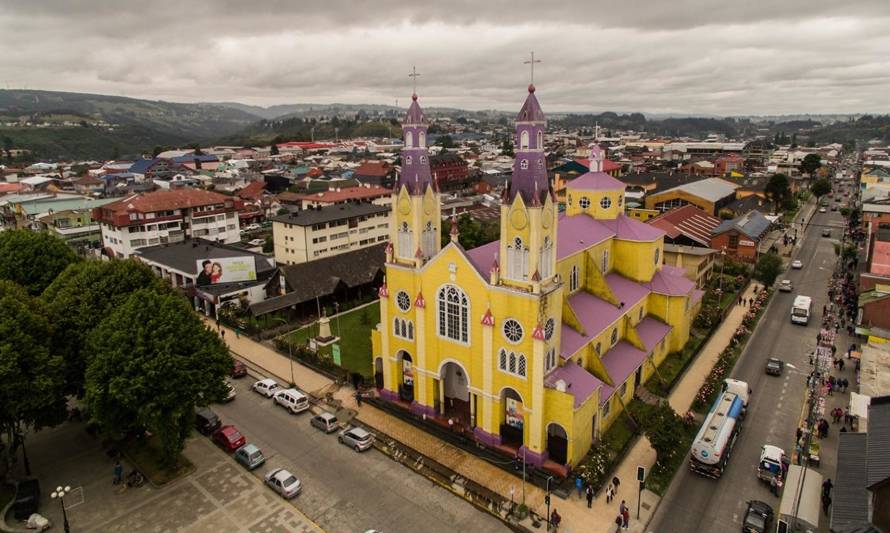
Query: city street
{"points": [[695, 503], [344, 490]]}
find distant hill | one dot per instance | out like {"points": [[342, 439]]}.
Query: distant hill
{"points": [[69, 125]]}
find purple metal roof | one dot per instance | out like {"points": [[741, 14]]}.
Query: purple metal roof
{"points": [[577, 233], [415, 113], [670, 281], [625, 290], [696, 296], [652, 331], [482, 256], [579, 382], [629, 229], [594, 314], [596, 181], [531, 109], [620, 362]]}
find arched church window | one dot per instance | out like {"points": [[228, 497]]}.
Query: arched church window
{"points": [[523, 140], [520, 367], [453, 312], [409, 140], [540, 140], [422, 141]]}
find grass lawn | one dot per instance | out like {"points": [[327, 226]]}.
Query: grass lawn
{"points": [[354, 328], [674, 364], [145, 455]]}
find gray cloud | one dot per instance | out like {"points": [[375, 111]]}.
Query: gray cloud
{"points": [[691, 56]]}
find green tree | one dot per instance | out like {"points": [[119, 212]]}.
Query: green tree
{"points": [[810, 164], [777, 190], [821, 187], [768, 268], [33, 260], [153, 361], [268, 245], [7, 147], [80, 297], [32, 393], [507, 147], [446, 142]]}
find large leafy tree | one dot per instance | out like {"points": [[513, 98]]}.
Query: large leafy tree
{"points": [[152, 361], [31, 394], [33, 260], [821, 187], [810, 164], [777, 190], [80, 297], [768, 268]]}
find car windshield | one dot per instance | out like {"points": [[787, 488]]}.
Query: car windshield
{"points": [[799, 312], [255, 456], [233, 436], [756, 520], [332, 420], [289, 481]]}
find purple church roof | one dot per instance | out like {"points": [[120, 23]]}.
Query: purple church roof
{"points": [[482, 256], [652, 331], [670, 281], [577, 233], [596, 181], [580, 383], [625, 290], [628, 229], [531, 109], [620, 362], [415, 113]]}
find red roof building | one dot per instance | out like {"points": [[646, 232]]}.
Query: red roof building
{"points": [[167, 216], [378, 173], [687, 225], [362, 193]]}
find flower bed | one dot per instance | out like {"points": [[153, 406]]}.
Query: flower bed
{"points": [[727, 359]]}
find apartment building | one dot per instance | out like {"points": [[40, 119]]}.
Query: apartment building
{"points": [[304, 236], [163, 217]]}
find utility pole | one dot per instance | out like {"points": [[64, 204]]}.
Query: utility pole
{"points": [[547, 500]]}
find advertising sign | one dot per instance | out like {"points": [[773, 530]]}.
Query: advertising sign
{"points": [[407, 372], [514, 417], [225, 270]]}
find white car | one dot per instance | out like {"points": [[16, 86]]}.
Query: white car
{"points": [[252, 227], [823, 210], [786, 286], [284, 483], [356, 438], [256, 242], [796, 264], [266, 387]]}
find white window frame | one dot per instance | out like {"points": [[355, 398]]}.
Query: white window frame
{"points": [[453, 318]]}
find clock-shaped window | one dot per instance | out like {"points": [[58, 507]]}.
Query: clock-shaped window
{"points": [[606, 202], [584, 202], [512, 330], [403, 301]]}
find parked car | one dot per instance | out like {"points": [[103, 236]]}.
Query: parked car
{"points": [[250, 456], [229, 438], [325, 422], [823, 210], [292, 400], [230, 392], [786, 286], [266, 387], [356, 438], [774, 366], [758, 517], [206, 421], [797, 264], [284, 483], [256, 242], [252, 227], [239, 369], [27, 499]]}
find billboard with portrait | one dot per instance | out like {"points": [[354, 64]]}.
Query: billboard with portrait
{"points": [[513, 416], [225, 270]]}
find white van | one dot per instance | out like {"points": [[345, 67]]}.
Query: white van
{"points": [[292, 400]]}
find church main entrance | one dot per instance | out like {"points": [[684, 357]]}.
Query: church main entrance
{"points": [[512, 418], [406, 376], [454, 394], [557, 444]]}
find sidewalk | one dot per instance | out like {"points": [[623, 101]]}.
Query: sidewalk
{"points": [[576, 516]]}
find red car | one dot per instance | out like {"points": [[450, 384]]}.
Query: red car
{"points": [[239, 369], [229, 438]]}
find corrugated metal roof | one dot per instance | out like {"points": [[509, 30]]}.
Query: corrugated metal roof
{"points": [[878, 440], [711, 189], [849, 503], [753, 224]]}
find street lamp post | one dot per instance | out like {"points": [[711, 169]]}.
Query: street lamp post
{"points": [[290, 355], [60, 493], [722, 262]]}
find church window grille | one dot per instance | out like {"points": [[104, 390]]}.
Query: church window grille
{"points": [[584, 202], [454, 310]]}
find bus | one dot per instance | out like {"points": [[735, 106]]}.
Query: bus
{"points": [[801, 310]]}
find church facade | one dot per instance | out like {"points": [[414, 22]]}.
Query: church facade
{"points": [[532, 343]]}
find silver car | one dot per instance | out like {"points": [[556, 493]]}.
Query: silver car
{"points": [[356, 438], [250, 456], [325, 422], [284, 483]]}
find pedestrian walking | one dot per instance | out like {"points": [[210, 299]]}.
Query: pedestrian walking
{"points": [[826, 503], [622, 507], [358, 398], [555, 519], [237, 333], [616, 482], [579, 484], [846, 384], [589, 495], [610, 493], [619, 521], [840, 364], [625, 518], [118, 473], [222, 333]]}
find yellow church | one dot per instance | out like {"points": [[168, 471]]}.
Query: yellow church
{"points": [[530, 344]]}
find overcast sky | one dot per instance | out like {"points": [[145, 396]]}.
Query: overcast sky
{"points": [[679, 56]]}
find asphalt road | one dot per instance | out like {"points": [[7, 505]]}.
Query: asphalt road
{"points": [[344, 490], [697, 504]]}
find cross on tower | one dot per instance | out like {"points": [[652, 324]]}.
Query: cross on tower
{"points": [[532, 62], [414, 74]]}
